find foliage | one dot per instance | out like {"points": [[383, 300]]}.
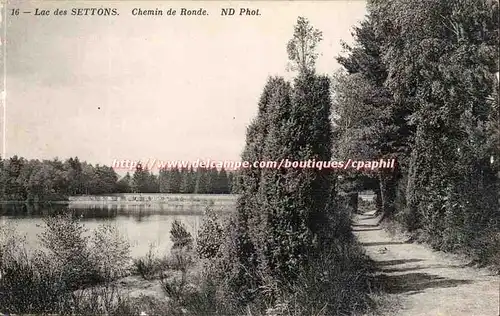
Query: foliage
{"points": [[52, 180], [210, 235], [301, 48], [283, 215], [150, 265], [198, 181], [67, 241], [124, 185], [74, 274], [48, 180], [181, 238], [336, 283], [430, 93], [110, 253]]}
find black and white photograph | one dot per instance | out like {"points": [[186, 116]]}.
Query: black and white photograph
{"points": [[250, 158]]}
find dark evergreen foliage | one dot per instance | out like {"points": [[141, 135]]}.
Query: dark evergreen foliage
{"points": [[429, 98], [283, 214]]}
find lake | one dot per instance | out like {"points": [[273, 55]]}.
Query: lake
{"points": [[144, 219]]}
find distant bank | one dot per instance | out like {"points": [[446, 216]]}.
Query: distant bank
{"points": [[154, 198]]}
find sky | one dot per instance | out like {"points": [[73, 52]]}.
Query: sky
{"points": [[151, 87]]}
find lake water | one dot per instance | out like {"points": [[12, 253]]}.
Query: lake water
{"points": [[144, 219]]}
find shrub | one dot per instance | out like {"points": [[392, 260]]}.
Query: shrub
{"points": [[65, 238], [28, 282], [210, 235], [110, 253], [181, 256], [11, 243], [179, 260], [485, 249], [47, 281], [148, 266], [174, 285], [335, 283], [180, 236], [175, 282], [100, 300], [205, 301], [229, 270]]}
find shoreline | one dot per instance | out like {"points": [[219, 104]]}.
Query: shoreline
{"points": [[135, 198]]}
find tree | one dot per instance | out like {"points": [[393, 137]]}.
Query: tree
{"points": [[202, 181], [163, 180], [154, 184], [124, 185], [431, 89], [65, 238], [13, 190], [282, 215], [188, 181], [174, 181], [88, 178], [49, 180], [24, 178], [238, 257], [73, 169], [106, 179], [301, 48], [180, 237], [210, 236], [185, 181], [140, 180], [213, 180], [369, 124], [222, 182]]}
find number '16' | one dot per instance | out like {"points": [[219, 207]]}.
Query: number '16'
{"points": [[15, 12]]}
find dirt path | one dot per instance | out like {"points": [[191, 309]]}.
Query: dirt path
{"points": [[426, 282]]}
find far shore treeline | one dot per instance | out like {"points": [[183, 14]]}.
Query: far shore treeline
{"points": [[55, 180]]}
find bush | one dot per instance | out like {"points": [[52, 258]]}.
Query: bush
{"points": [[206, 300], [181, 256], [148, 266], [65, 238], [110, 253], [49, 280], [485, 249], [203, 299], [180, 236], [174, 285], [335, 283], [179, 260], [107, 300], [29, 283], [11, 244], [101, 300], [229, 270], [210, 235]]}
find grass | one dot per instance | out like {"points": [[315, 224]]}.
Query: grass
{"points": [[150, 266], [485, 253], [382, 305], [336, 283]]}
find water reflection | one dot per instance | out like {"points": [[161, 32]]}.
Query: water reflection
{"points": [[143, 224], [105, 211]]}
